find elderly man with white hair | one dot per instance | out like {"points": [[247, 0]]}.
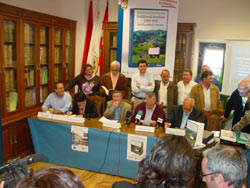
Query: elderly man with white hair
{"points": [[113, 80], [239, 101]]}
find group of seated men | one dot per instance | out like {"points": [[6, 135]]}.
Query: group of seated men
{"points": [[175, 104]]}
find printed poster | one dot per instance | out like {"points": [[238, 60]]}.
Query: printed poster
{"points": [[79, 138], [136, 147]]}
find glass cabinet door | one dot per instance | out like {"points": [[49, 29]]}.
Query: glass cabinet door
{"points": [[29, 64], [10, 65], [58, 56], [68, 57], [44, 62], [113, 47]]}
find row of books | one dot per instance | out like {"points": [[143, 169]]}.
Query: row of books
{"points": [[29, 55], [29, 33], [11, 101], [68, 54], [58, 37], [114, 41], [9, 31], [57, 73], [9, 79], [58, 55], [44, 91], [9, 55], [179, 61], [112, 55], [43, 35], [68, 38], [181, 42], [30, 97], [44, 75], [29, 77], [43, 55]]}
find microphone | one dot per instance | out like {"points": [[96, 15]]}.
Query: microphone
{"points": [[138, 116], [128, 115], [159, 122]]}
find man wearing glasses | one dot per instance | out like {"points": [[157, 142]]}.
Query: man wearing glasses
{"points": [[224, 167]]}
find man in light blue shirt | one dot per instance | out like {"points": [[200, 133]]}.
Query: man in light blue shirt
{"points": [[58, 102]]}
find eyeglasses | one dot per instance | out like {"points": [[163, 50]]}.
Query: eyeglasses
{"points": [[203, 175]]}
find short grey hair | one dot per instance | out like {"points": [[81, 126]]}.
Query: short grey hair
{"points": [[230, 162], [189, 98], [115, 63], [245, 81]]}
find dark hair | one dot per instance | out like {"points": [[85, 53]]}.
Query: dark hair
{"points": [[85, 67], [141, 62], [117, 91], [205, 74], [171, 162], [52, 176], [187, 70], [79, 97], [55, 85]]}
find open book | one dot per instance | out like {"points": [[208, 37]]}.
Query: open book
{"points": [[107, 91], [241, 137]]}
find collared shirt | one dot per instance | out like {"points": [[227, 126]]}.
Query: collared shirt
{"points": [[184, 90], [149, 113], [143, 81], [163, 93], [244, 101], [58, 103], [114, 80], [207, 98], [117, 112], [184, 120]]}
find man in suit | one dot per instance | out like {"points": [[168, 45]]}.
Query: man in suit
{"points": [[239, 101], [181, 113], [166, 92], [117, 109], [205, 94]]}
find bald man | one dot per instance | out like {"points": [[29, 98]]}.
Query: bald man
{"points": [[181, 113], [239, 101]]}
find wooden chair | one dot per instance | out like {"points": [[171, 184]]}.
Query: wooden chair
{"points": [[212, 119], [99, 103], [129, 102]]}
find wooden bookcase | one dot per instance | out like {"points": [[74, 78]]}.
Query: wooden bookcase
{"points": [[36, 51]]}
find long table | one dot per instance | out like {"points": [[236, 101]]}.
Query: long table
{"points": [[107, 147]]}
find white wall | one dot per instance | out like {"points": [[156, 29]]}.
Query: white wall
{"points": [[216, 20]]}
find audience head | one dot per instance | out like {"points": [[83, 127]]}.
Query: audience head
{"points": [[187, 76], [56, 177], [224, 166], [59, 89], [87, 70], [117, 96], [207, 78], [150, 100], [205, 68], [188, 104], [142, 66], [165, 74], [114, 68], [171, 162], [243, 87]]}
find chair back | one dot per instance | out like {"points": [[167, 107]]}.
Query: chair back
{"points": [[99, 103], [130, 103]]}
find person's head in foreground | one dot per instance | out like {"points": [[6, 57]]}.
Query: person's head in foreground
{"points": [[171, 162], [224, 166], [51, 177]]}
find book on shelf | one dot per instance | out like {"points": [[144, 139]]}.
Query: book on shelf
{"points": [[183, 43], [43, 93], [6, 55], [43, 55], [68, 38], [42, 35], [10, 55], [11, 79], [5, 31], [7, 80], [10, 31]]}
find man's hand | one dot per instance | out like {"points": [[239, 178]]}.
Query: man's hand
{"points": [[51, 110], [153, 123], [138, 85], [44, 109], [223, 118], [69, 113], [167, 125], [150, 84], [115, 105]]}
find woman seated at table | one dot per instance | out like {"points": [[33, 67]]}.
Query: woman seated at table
{"points": [[171, 163], [87, 81], [83, 106]]}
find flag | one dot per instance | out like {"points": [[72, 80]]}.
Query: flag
{"points": [[88, 35]]}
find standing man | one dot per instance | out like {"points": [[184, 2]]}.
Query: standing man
{"points": [[184, 86], [182, 113], [58, 102], [224, 167], [166, 92], [142, 83], [117, 109], [207, 68], [206, 94]]}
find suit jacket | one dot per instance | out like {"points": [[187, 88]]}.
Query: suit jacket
{"points": [[121, 84], [125, 107], [235, 102], [90, 109], [171, 96], [198, 95], [175, 118], [157, 112]]}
